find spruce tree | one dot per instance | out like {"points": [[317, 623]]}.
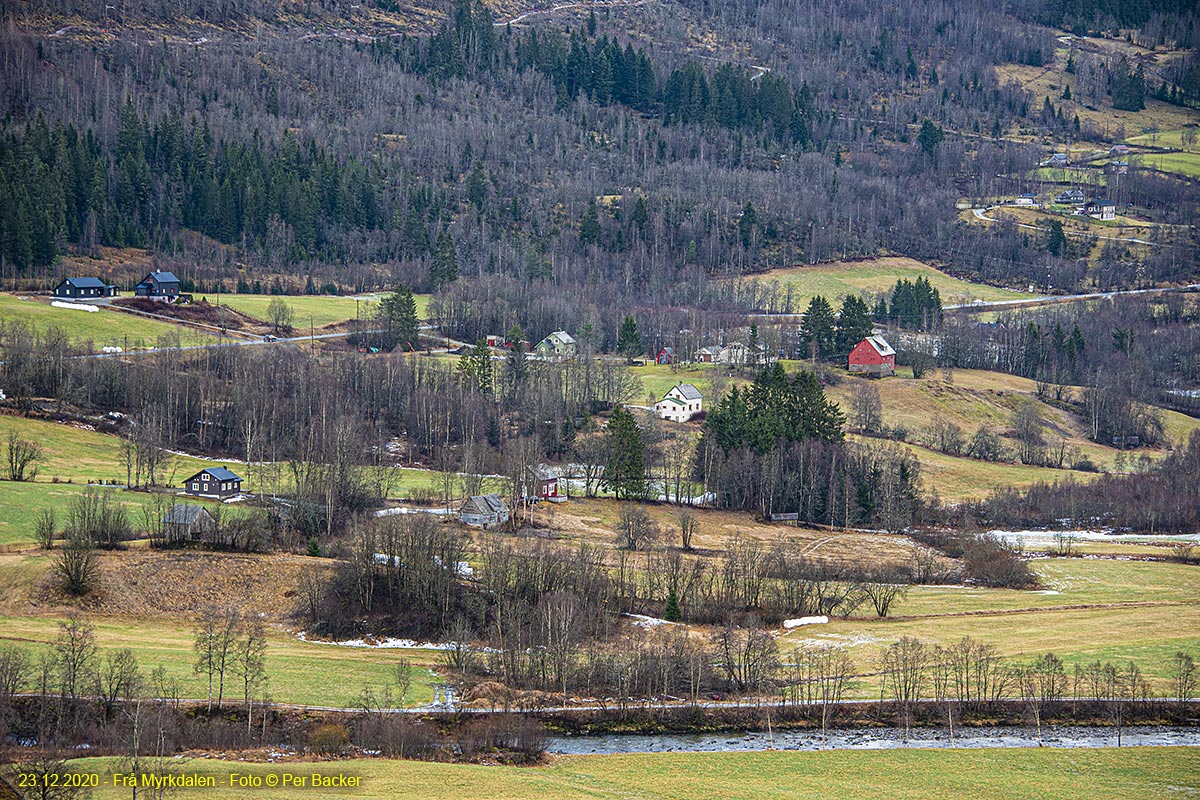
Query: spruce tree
{"points": [[625, 472], [629, 341]]}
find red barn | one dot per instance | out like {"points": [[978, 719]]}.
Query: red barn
{"points": [[872, 356]]}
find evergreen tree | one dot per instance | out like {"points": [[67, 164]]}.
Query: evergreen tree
{"points": [[445, 261], [930, 139], [747, 224], [629, 341], [476, 367], [1056, 239], [817, 331], [854, 323], [589, 226], [672, 613], [625, 472], [398, 315]]}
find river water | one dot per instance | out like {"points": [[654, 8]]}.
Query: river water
{"points": [[873, 739]]}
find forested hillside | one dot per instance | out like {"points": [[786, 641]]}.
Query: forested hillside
{"points": [[655, 148]]}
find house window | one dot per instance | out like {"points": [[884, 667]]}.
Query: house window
{"points": [[195, 487]]}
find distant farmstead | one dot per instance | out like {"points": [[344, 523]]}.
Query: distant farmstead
{"points": [[665, 356], [80, 288], [1101, 209], [683, 402], [217, 482], [872, 356], [159, 284], [559, 344], [543, 482], [484, 511]]}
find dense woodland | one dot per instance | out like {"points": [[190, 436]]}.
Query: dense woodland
{"points": [[632, 164]]}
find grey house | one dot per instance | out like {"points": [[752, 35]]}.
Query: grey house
{"points": [[84, 288], [187, 522], [215, 482], [484, 511]]}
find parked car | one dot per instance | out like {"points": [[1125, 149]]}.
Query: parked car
{"points": [[269, 338]]}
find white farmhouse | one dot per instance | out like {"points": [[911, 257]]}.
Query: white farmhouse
{"points": [[683, 402]]}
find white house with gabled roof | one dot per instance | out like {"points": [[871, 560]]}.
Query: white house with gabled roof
{"points": [[683, 402]]}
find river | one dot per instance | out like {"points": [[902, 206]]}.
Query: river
{"points": [[874, 739]]}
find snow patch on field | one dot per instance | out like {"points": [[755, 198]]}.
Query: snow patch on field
{"points": [[389, 643], [839, 641], [801, 621], [76, 306], [643, 621]]}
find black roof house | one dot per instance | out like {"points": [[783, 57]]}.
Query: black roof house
{"points": [[159, 283], [75, 288], [216, 482]]}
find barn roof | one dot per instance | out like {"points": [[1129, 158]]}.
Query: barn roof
{"points": [[881, 346], [184, 514], [483, 504]]}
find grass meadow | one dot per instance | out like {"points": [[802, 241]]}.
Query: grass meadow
{"points": [[322, 309], [837, 279], [102, 328], [1017, 774]]}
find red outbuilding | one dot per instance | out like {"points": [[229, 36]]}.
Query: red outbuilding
{"points": [[872, 356]]}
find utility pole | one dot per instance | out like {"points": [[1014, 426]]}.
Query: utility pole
{"points": [[312, 334]]}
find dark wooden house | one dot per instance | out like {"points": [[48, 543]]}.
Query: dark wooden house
{"points": [[215, 482], [84, 289], [159, 284]]}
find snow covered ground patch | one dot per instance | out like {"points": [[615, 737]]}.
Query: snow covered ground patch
{"points": [[801, 621], [389, 643], [642, 621], [76, 306]]}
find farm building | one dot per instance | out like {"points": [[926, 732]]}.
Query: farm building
{"points": [[484, 511], [559, 344], [1027, 200], [1119, 150], [1116, 168], [216, 482], [872, 356], [706, 355], [80, 288], [683, 402], [1056, 160], [665, 356], [738, 354], [187, 522]]}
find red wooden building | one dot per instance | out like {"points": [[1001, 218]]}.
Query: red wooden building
{"points": [[872, 356]]}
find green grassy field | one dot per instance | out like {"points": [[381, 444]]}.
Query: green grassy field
{"points": [[1024, 774], [304, 673], [1172, 138], [1186, 164], [102, 328], [323, 309], [837, 279], [22, 502]]}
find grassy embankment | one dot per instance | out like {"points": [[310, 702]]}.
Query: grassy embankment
{"points": [[1028, 774]]}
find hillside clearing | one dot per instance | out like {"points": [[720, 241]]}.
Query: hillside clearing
{"points": [[837, 279]]}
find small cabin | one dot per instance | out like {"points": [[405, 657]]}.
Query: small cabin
{"points": [[483, 511], [186, 522]]}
